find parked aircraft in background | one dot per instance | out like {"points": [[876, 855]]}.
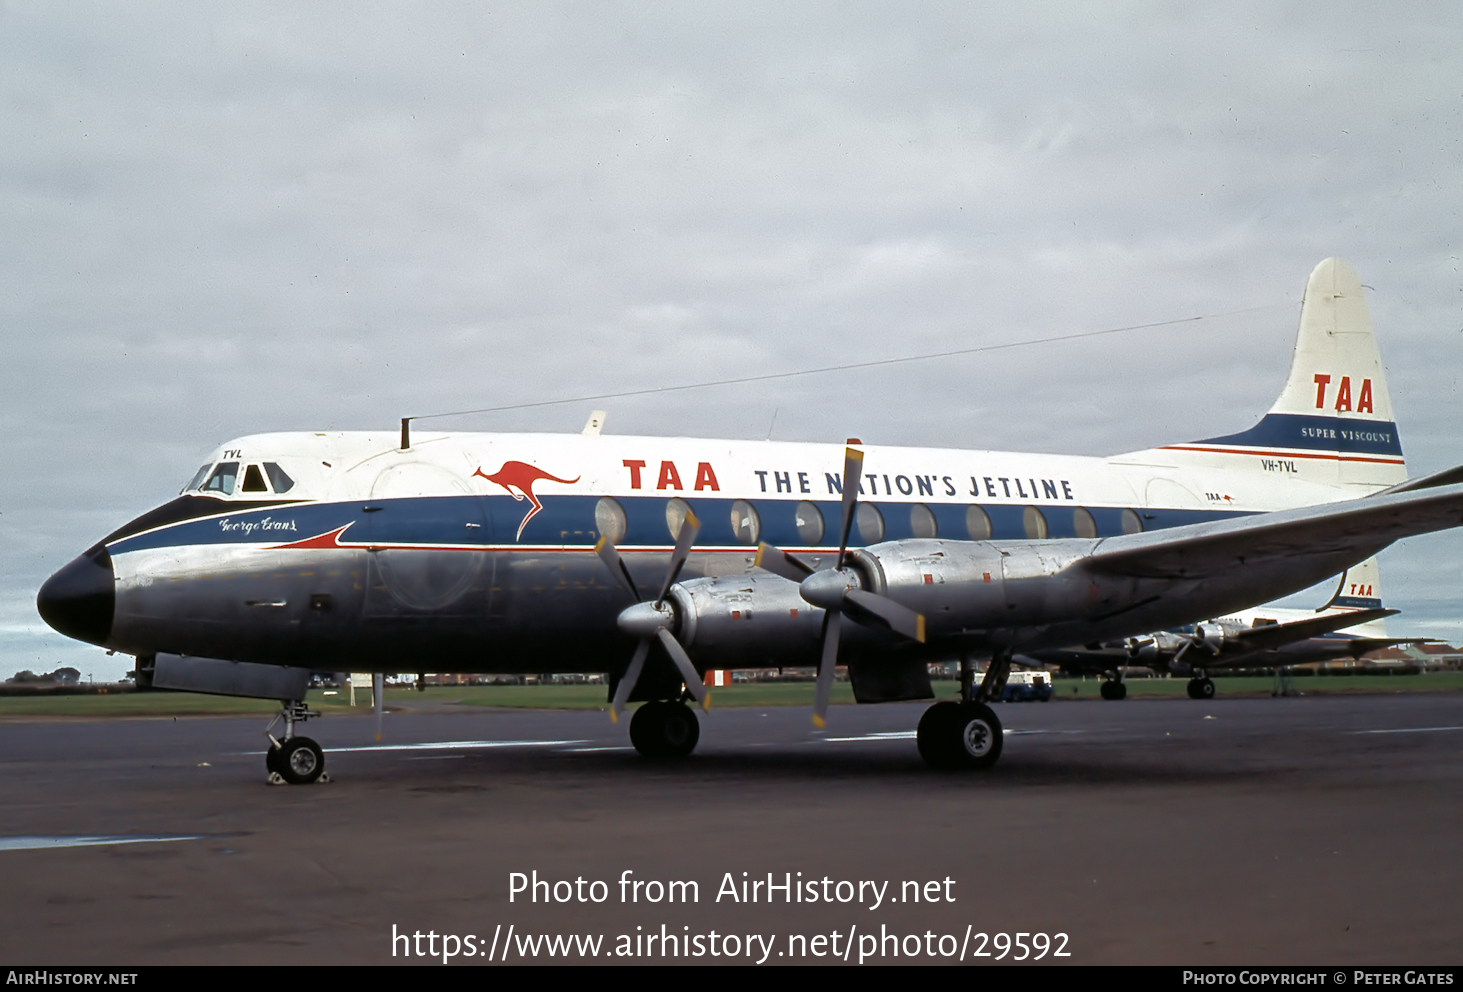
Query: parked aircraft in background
{"points": [[457, 552], [1348, 626]]}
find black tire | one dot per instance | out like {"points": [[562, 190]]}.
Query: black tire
{"points": [[976, 737], [1109, 689], [1120, 690], [271, 760], [934, 734], [665, 731], [300, 761], [1203, 688]]}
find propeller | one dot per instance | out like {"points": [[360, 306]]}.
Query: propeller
{"points": [[838, 591], [650, 620]]}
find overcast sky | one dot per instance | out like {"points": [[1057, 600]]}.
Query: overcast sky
{"points": [[219, 219]]}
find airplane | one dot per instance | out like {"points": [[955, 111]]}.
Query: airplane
{"points": [[1263, 637], [476, 552]]}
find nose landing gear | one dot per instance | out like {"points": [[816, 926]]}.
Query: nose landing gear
{"points": [[293, 760]]}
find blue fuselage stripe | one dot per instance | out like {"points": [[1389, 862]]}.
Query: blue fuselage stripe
{"points": [[569, 522]]}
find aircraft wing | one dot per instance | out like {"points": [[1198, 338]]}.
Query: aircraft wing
{"points": [[1198, 551], [1276, 635]]}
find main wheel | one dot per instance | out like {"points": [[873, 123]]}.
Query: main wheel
{"points": [[300, 761], [271, 760], [664, 730], [934, 736], [1201, 688], [959, 736], [977, 736], [1113, 689]]}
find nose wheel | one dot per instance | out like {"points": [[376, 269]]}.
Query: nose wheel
{"points": [[293, 760]]}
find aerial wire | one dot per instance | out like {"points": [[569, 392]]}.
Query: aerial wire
{"points": [[767, 377]]}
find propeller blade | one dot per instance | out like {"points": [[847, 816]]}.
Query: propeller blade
{"points": [[616, 565], [853, 465], [831, 623], [628, 680], [779, 562], [690, 527], [901, 619], [688, 671]]}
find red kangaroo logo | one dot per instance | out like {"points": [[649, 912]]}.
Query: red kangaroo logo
{"points": [[521, 476]]}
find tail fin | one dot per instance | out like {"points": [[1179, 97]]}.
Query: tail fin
{"points": [[1360, 589], [1333, 421]]}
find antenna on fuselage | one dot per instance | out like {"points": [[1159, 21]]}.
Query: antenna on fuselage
{"points": [[406, 432]]}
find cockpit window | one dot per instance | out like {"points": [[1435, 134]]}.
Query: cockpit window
{"points": [[281, 482], [254, 480], [198, 477], [222, 479]]}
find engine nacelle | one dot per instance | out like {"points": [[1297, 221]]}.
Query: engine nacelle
{"points": [[968, 586], [1210, 637], [756, 620]]}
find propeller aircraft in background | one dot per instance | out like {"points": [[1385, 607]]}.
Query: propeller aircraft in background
{"points": [[1349, 626], [513, 553]]}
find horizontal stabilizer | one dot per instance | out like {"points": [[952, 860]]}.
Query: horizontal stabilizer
{"points": [[1276, 635], [1447, 477]]}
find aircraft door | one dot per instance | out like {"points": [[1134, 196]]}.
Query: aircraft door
{"points": [[429, 534]]}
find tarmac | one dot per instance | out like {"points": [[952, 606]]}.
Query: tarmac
{"points": [[1311, 830]]}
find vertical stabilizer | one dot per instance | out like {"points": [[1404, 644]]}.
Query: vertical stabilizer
{"points": [[1333, 421], [1360, 589]]}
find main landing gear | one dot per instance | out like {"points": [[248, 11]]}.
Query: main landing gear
{"points": [[293, 760], [1201, 688], [665, 730], [1113, 689], [967, 734]]}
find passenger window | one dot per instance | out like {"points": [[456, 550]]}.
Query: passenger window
{"points": [[198, 477], [922, 521], [282, 483], [810, 523], [1034, 524], [254, 480], [1082, 523], [870, 523], [609, 519], [222, 479], [1132, 523], [977, 524], [744, 521], [675, 515]]}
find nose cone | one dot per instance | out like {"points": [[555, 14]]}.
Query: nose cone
{"points": [[643, 619], [79, 600], [826, 588]]}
